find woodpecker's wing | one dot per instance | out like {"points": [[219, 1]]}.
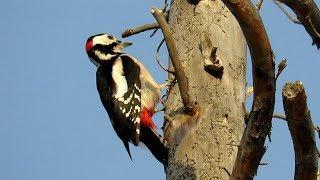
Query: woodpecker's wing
{"points": [[119, 86], [130, 102]]}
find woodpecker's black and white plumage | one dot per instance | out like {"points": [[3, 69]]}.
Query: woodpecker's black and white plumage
{"points": [[127, 91]]}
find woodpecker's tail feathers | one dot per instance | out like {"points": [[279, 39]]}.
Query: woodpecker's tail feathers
{"points": [[126, 144], [154, 144]]}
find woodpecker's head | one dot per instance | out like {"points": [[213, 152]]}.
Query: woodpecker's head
{"points": [[103, 47]]}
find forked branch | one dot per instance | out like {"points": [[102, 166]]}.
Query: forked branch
{"points": [[251, 148], [301, 130]]}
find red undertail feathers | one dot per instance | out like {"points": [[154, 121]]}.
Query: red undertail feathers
{"points": [[146, 118]]}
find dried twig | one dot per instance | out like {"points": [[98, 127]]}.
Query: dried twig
{"points": [[283, 117], [226, 170], [175, 59], [159, 61], [293, 19], [259, 4], [282, 65], [139, 29], [280, 116], [249, 91], [309, 15], [165, 13], [251, 147], [301, 130]]}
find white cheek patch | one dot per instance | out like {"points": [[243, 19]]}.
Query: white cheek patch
{"points": [[103, 56], [120, 80]]}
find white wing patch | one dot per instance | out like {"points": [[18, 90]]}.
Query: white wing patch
{"points": [[131, 104], [126, 101], [137, 120], [128, 94], [129, 112], [120, 80], [137, 88], [138, 131]]}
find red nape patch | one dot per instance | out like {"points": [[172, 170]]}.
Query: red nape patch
{"points": [[146, 118], [89, 45]]}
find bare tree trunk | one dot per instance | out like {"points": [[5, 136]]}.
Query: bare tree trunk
{"points": [[205, 147]]}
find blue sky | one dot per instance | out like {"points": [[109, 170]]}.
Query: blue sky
{"points": [[52, 124]]}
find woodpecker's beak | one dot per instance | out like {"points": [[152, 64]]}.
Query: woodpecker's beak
{"points": [[125, 44]]}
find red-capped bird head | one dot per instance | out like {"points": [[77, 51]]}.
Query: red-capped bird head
{"points": [[103, 47]]}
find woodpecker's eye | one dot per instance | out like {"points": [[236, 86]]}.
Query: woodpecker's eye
{"points": [[110, 37]]}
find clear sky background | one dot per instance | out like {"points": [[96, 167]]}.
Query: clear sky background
{"points": [[52, 123]]}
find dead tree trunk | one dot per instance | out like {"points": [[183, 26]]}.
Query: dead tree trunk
{"points": [[205, 146]]}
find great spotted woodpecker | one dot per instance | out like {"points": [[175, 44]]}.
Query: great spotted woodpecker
{"points": [[127, 91]]}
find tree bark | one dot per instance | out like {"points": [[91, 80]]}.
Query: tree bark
{"points": [[204, 146]]}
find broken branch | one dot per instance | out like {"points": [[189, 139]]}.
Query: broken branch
{"points": [[301, 130]]}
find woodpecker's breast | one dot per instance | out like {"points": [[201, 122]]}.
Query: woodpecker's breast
{"points": [[149, 95]]}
